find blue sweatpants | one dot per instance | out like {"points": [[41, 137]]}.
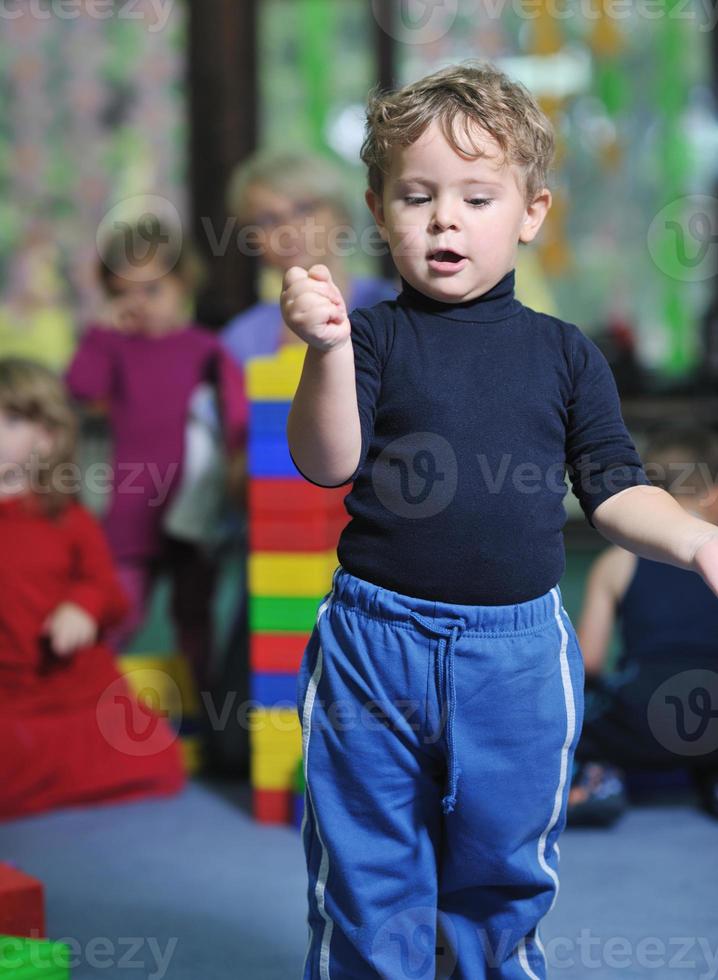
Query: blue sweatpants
{"points": [[438, 742]]}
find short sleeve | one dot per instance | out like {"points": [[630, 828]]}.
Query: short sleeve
{"points": [[600, 455], [368, 366]]}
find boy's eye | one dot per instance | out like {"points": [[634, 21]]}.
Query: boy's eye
{"points": [[479, 202], [415, 199]]}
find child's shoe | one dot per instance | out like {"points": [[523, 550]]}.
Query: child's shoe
{"points": [[597, 797], [707, 785]]}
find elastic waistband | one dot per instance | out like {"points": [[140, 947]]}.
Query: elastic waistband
{"points": [[384, 604]]}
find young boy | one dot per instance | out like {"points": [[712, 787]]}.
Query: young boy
{"points": [[668, 622], [441, 692]]}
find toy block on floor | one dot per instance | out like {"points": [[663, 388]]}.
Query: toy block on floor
{"points": [[167, 681], [167, 686], [272, 805], [33, 959], [22, 903]]}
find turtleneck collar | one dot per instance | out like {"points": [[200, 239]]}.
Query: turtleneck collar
{"points": [[496, 303]]}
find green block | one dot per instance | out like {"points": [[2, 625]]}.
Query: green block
{"points": [[298, 783], [27, 959], [277, 614]]}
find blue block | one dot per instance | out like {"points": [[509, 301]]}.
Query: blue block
{"points": [[273, 689], [298, 810], [269, 456], [269, 418]]}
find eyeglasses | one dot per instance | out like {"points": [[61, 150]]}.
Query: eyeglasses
{"points": [[300, 209]]}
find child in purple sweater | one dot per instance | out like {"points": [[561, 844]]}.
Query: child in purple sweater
{"points": [[145, 361]]}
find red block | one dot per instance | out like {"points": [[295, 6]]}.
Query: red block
{"points": [[272, 805], [280, 532], [22, 904], [277, 653], [286, 496]]}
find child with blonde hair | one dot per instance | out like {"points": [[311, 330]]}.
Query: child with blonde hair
{"points": [[440, 693], [295, 204], [71, 731]]}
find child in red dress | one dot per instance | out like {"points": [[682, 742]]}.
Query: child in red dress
{"points": [[70, 730]]}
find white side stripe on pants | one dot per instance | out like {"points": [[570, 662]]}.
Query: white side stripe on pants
{"points": [[563, 773], [323, 872]]}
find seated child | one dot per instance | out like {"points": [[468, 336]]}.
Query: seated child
{"points": [[668, 619], [71, 731]]}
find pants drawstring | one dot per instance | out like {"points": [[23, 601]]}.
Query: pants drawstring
{"points": [[447, 641]]}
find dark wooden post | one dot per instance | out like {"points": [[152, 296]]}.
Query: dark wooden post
{"points": [[707, 373], [386, 76], [223, 99]]}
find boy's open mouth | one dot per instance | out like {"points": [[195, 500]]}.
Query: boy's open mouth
{"points": [[445, 255]]}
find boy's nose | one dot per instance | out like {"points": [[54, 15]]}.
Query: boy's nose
{"points": [[444, 215]]}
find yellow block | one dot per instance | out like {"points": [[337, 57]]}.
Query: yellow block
{"points": [[275, 731], [275, 378], [283, 573], [191, 748], [273, 772], [165, 682]]}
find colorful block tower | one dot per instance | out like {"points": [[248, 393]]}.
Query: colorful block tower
{"points": [[294, 527]]}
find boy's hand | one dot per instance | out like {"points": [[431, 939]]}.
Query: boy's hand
{"points": [[313, 308], [68, 628], [705, 562]]}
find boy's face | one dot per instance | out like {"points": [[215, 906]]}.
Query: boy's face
{"points": [[453, 223]]}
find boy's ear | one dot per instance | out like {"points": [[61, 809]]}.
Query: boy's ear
{"points": [[376, 207], [535, 215]]}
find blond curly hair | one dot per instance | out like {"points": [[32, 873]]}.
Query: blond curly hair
{"points": [[459, 98], [35, 393]]}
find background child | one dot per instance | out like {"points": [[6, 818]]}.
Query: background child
{"points": [[66, 715], [296, 203], [436, 795], [668, 619], [146, 360]]}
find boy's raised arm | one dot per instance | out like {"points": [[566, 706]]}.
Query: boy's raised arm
{"points": [[323, 430]]}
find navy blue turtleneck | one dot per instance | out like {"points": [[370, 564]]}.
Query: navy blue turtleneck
{"points": [[471, 416]]}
